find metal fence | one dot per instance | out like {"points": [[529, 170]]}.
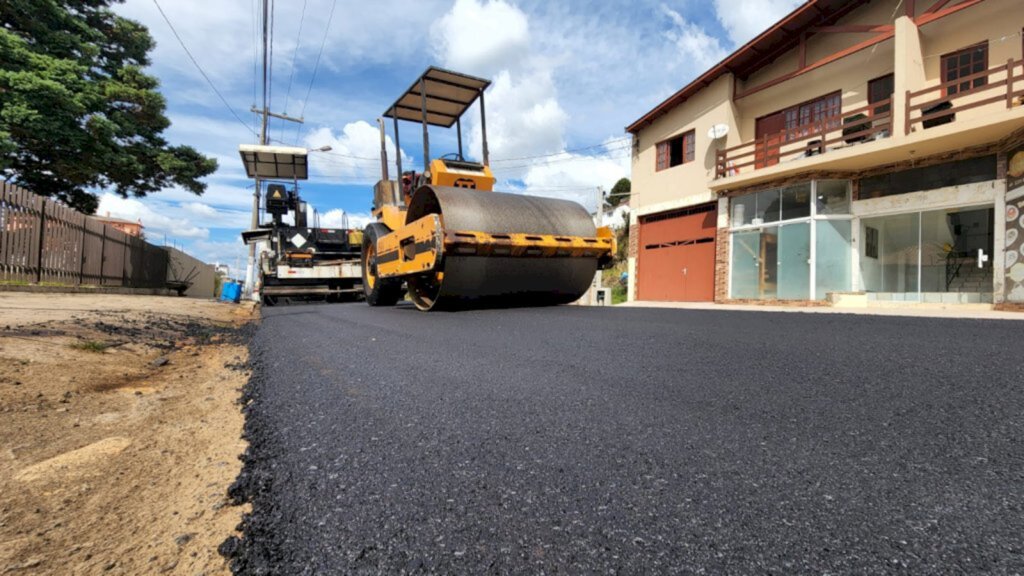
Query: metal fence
{"points": [[42, 241]]}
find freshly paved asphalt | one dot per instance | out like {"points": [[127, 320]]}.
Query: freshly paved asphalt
{"points": [[585, 440]]}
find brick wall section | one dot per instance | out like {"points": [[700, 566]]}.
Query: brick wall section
{"points": [[722, 265], [634, 240]]}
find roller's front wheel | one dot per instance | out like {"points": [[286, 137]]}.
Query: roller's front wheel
{"points": [[378, 291]]}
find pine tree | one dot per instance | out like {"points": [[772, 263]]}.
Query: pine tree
{"points": [[77, 111]]}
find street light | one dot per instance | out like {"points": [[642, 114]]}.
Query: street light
{"points": [[323, 149]]}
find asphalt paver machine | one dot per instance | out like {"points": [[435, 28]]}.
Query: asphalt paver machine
{"points": [[297, 260], [447, 239]]}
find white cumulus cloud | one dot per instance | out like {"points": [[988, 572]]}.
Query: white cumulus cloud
{"points": [[355, 153], [692, 40], [482, 37], [338, 218], [745, 19]]}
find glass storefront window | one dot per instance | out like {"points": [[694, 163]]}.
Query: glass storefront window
{"points": [[923, 255], [768, 206], [746, 265], [796, 201], [833, 197], [832, 257], [794, 261], [889, 257], [774, 260], [744, 209]]}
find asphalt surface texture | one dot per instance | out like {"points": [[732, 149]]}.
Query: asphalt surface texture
{"points": [[575, 440]]}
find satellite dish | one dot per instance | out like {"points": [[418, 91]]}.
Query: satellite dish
{"points": [[718, 131]]}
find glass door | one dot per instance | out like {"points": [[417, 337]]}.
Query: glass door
{"points": [[746, 265], [890, 250], [794, 261], [940, 256]]}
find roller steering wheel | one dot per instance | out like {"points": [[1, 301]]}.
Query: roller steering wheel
{"points": [[453, 156]]}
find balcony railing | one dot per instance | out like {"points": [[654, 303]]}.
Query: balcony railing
{"points": [[853, 127], [925, 108], [935, 105]]}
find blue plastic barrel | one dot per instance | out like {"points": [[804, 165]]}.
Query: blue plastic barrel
{"points": [[231, 292]]}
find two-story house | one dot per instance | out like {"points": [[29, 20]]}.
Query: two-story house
{"points": [[858, 150]]}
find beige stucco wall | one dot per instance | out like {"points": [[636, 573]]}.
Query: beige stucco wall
{"points": [[850, 75], [997, 21], [685, 184]]}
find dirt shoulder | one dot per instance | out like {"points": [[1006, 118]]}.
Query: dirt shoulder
{"points": [[119, 432]]}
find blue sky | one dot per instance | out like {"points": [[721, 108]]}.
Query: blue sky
{"points": [[567, 74]]}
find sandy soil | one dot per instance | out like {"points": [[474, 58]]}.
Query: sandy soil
{"points": [[119, 433]]}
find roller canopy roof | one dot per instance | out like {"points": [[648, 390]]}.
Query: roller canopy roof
{"points": [[274, 162], [449, 94]]}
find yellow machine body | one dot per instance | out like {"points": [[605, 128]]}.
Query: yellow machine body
{"points": [[447, 174], [455, 242]]}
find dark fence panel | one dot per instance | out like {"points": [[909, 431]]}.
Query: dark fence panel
{"points": [[115, 248], [20, 213], [42, 241], [92, 252], [61, 256]]}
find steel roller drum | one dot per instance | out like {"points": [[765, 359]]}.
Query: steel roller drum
{"points": [[499, 281]]}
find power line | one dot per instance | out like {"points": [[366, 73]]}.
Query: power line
{"points": [[603, 144], [316, 66], [255, 56], [614, 154], [200, 68], [295, 53]]}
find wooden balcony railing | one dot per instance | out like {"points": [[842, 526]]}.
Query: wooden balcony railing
{"points": [[852, 127], [1001, 84]]}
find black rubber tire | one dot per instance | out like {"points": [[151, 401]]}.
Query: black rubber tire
{"points": [[269, 300], [378, 291]]}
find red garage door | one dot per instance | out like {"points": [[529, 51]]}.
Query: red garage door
{"points": [[677, 255]]}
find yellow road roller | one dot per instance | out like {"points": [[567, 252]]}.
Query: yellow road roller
{"points": [[452, 242]]}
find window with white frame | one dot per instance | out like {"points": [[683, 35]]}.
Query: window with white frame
{"points": [[791, 243]]}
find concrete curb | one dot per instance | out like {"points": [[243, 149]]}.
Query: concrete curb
{"points": [[952, 311], [88, 290]]}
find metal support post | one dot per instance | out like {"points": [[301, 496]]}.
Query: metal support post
{"points": [[383, 152], [483, 129], [398, 161], [458, 132], [426, 132]]}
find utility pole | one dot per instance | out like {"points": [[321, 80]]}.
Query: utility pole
{"points": [[250, 269], [598, 221]]}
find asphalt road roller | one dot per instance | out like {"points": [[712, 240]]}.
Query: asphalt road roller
{"points": [[448, 240]]}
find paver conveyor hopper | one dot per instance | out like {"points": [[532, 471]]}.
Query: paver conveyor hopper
{"points": [[453, 242]]}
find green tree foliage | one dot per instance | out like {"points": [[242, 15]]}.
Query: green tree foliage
{"points": [[620, 195], [77, 112], [620, 192]]}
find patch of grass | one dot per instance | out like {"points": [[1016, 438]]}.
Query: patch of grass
{"points": [[618, 294], [90, 346]]}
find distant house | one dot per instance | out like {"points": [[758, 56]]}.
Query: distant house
{"points": [[126, 226], [616, 216]]}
